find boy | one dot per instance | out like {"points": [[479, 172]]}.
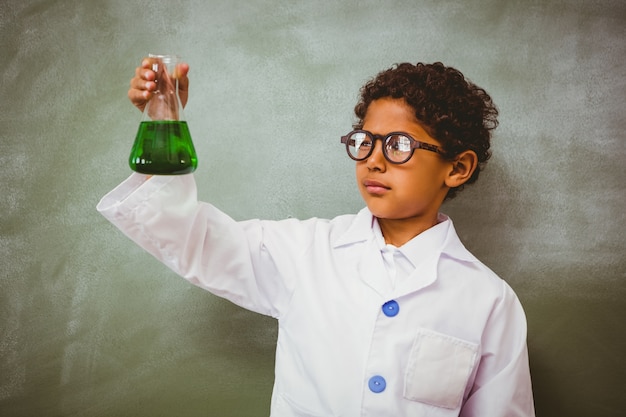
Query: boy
{"points": [[382, 313]]}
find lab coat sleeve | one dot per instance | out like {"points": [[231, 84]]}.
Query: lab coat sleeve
{"points": [[502, 386], [197, 241]]}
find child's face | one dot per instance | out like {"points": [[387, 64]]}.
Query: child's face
{"points": [[413, 190]]}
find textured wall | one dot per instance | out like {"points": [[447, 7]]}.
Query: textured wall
{"points": [[92, 326]]}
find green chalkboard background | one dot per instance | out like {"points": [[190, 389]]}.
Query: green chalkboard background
{"points": [[92, 326]]}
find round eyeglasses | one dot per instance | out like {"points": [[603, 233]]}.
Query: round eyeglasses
{"points": [[398, 147]]}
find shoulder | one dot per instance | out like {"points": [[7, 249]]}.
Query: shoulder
{"points": [[459, 264], [293, 233], [345, 228]]}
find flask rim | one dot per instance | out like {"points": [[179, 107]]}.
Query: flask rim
{"points": [[166, 58]]}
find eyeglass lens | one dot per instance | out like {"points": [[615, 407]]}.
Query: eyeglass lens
{"points": [[397, 148]]}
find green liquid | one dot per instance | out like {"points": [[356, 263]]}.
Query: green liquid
{"points": [[163, 148]]}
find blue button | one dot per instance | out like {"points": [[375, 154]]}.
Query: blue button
{"points": [[377, 384], [391, 308]]}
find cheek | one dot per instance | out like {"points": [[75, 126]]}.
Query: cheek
{"points": [[360, 170], [415, 185], [428, 183], [409, 179]]}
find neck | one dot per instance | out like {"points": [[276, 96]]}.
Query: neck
{"points": [[397, 232]]}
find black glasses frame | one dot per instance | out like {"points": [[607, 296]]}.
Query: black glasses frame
{"points": [[415, 144]]}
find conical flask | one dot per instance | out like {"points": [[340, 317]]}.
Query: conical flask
{"points": [[163, 143]]}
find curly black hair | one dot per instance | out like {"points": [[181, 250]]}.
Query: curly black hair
{"points": [[454, 111]]}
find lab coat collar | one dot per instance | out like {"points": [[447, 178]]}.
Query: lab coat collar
{"points": [[424, 252], [359, 230], [446, 239], [440, 239]]}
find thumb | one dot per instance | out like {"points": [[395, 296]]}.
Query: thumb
{"points": [[180, 73]]}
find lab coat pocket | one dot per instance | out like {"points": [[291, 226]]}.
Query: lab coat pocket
{"points": [[439, 368]]}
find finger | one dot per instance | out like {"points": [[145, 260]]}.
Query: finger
{"points": [[180, 72], [141, 84], [145, 73], [139, 97], [144, 79]]}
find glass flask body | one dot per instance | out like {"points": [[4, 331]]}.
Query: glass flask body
{"points": [[163, 144]]}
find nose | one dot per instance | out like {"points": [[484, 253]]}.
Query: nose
{"points": [[377, 161]]}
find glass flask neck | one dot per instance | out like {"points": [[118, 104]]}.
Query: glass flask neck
{"points": [[165, 102]]}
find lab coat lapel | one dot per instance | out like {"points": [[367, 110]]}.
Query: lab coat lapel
{"points": [[370, 265], [372, 269], [423, 276], [426, 269]]}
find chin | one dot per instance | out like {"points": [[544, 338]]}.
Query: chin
{"points": [[381, 214]]}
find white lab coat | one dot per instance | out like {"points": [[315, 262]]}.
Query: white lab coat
{"points": [[449, 340]]}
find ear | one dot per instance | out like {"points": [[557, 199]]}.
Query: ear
{"points": [[463, 167]]}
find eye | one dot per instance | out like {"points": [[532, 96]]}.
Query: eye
{"points": [[360, 140], [399, 144]]}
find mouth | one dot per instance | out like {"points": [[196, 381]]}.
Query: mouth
{"points": [[375, 187]]}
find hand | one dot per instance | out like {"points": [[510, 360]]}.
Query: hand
{"points": [[142, 85]]}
